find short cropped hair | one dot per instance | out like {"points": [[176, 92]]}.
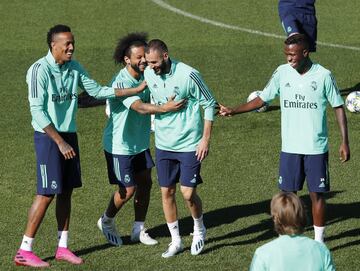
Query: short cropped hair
{"points": [[125, 44], [59, 28], [300, 39], [288, 213], [157, 45]]}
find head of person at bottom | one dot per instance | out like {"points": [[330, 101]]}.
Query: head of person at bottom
{"points": [[288, 213]]}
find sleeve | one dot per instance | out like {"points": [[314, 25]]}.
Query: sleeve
{"points": [[36, 80], [328, 262], [257, 264], [332, 92], [92, 87], [201, 92], [127, 101], [272, 89]]}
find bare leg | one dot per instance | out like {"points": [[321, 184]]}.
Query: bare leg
{"points": [[37, 213], [169, 203], [63, 209], [193, 201], [318, 208]]}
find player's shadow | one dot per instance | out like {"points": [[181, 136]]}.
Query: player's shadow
{"points": [[346, 91], [258, 232]]}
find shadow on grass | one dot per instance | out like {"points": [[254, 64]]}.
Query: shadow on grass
{"points": [[264, 229], [346, 91]]}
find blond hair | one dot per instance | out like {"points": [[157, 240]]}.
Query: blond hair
{"points": [[288, 213]]}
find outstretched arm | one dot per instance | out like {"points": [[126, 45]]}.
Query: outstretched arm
{"points": [[123, 92], [249, 106], [147, 108], [344, 149]]}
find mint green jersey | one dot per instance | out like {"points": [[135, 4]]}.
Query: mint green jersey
{"points": [[295, 253], [303, 101], [127, 132], [53, 93], [180, 131]]}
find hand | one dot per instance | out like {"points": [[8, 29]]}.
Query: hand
{"points": [[344, 152], [141, 87], [225, 111], [171, 105], [66, 150], [202, 150]]}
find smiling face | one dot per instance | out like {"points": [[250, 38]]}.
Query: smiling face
{"points": [[136, 61], [158, 61], [63, 47], [297, 56]]}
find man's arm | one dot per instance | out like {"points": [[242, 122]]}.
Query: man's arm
{"points": [[242, 108], [202, 149], [64, 147], [344, 149], [147, 108], [124, 92]]}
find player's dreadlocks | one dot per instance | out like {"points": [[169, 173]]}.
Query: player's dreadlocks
{"points": [[125, 44]]}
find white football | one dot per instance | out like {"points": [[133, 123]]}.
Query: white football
{"points": [[255, 94], [352, 102]]}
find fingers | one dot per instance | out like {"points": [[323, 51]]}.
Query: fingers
{"points": [[67, 151]]}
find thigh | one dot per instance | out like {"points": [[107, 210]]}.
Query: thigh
{"points": [[291, 172], [49, 165], [308, 26], [317, 172], [120, 169], [189, 169], [72, 169], [167, 167], [142, 161], [290, 24]]}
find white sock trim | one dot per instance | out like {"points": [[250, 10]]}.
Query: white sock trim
{"points": [[27, 243], [63, 238]]}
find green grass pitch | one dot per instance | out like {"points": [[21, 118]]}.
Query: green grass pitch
{"points": [[240, 173]]}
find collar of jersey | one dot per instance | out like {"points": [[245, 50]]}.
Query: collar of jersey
{"points": [[172, 68], [56, 67]]}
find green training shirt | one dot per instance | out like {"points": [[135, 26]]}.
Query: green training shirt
{"points": [[127, 132], [295, 253], [180, 131], [303, 101], [53, 92]]}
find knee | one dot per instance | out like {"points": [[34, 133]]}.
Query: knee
{"points": [[168, 192], [188, 193], [44, 199], [126, 193]]}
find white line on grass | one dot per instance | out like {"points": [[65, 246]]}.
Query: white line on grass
{"points": [[242, 29]]}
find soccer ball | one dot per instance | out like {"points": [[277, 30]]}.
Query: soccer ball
{"points": [[352, 102], [255, 94]]}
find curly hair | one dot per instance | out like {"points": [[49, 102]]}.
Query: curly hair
{"points": [[59, 28], [124, 45]]}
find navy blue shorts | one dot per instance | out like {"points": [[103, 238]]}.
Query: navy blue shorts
{"points": [[301, 23], [174, 166], [54, 173], [294, 168], [122, 168]]}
